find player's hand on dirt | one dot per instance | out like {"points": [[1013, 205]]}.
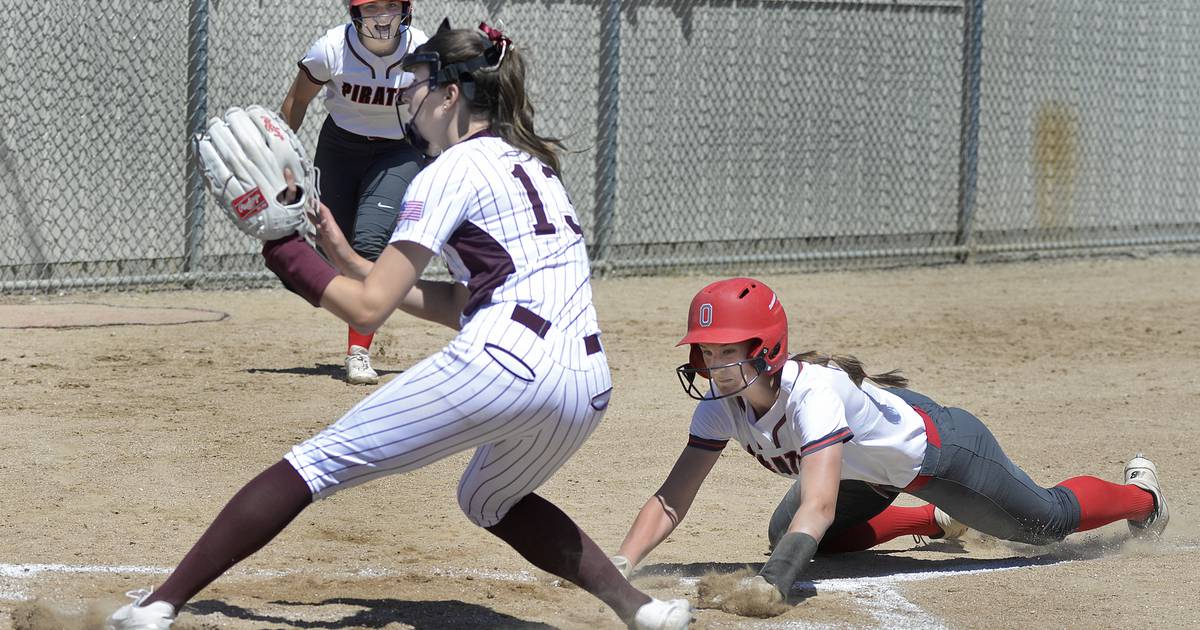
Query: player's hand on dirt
{"points": [[759, 587], [741, 593], [623, 565]]}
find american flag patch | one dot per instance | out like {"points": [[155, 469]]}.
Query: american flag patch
{"points": [[411, 211]]}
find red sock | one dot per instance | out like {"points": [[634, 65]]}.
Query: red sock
{"points": [[359, 339], [891, 523], [1102, 502]]}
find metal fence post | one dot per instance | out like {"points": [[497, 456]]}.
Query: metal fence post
{"points": [[607, 124], [968, 164], [197, 113]]}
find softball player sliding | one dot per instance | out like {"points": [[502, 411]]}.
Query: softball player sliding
{"points": [[854, 445], [366, 162], [524, 383]]}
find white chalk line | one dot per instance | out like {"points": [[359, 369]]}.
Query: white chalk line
{"points": [[881, 598], [879, 595]]}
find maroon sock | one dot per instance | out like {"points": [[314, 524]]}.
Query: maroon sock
{"points": [[893, 522], [255, 515], [548, 538], [1102, 502]]}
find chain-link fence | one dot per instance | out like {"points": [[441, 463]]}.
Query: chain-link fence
{"points": [[748, 134]]}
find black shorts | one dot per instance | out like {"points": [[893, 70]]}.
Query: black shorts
{"points": [[363, 181]]}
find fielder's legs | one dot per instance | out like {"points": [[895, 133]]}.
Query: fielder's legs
{"points": [[526, 425], [393, 166], [342, 162], [548, 538], [343, 158], [496, 492], [251, 519], [262, 509], [382, 188]]}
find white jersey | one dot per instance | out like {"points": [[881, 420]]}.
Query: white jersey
{"points": [[818, 407], [525, 382], [503, 223], [361, 89]]}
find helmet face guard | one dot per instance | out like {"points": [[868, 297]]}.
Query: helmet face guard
{"points": [[687, 377], [384, 26]]}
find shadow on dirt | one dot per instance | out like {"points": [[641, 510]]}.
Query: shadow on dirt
{"points": [[334, 371], [379, 613], [888, 563]]}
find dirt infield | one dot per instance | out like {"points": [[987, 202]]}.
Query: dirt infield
{"points": [[120, 443]]}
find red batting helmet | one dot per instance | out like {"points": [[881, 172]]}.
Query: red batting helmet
{"points": [[733, 311]]}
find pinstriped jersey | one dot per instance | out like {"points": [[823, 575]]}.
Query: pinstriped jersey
{"points": [[361, 89], [817, 407], [506, 228]]}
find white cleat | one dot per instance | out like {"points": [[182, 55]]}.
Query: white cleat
{"points": [[134, 616], [358, 367], [1142, 473], [659, 615], [951, 528]]}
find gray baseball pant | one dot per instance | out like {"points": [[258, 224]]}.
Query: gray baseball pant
{"points": [[363, 181]]}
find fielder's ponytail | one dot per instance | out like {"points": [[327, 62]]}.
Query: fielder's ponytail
{"points": [[512, 118], [853, 368]]}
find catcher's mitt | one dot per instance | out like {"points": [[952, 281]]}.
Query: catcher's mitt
{"points": [[243, 157]]}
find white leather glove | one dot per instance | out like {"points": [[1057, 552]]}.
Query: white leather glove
{"points": [[243, 157]]}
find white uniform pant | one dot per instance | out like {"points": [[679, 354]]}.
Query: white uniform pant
{"points": [[523, 411]]}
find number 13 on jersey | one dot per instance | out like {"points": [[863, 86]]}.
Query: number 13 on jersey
{"points": [[542, 224]]}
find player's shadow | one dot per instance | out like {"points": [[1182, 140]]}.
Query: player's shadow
{"points": [[884, 563], [379, 613], [335, 371]]}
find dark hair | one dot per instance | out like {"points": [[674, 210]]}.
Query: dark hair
{"points": [[499, 93], [853, 368]]}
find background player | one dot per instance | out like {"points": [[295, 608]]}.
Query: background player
{"points": [[365, 160], [524, 382], [854, 446]]}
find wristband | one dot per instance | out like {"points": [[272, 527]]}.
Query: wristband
{"points": [[788, 561], [299, 267]]}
